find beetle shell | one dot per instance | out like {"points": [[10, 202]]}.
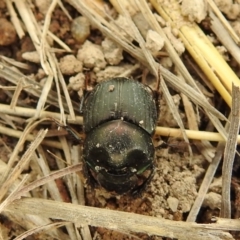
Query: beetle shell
{"points": [[120, 98], [119, 119], [118, 152]]}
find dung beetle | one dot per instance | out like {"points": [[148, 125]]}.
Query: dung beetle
{"points": [[120, 116]]}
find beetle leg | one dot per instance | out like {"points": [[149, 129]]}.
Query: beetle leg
{"points": [[137, 192], [161, 145], [156, 92], [84, 97], [87, 173], [73, 134]]}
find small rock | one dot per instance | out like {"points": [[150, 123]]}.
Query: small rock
{"points": [[166, 62], [80, 29], [31, 56], [195, 10], [77, 82], [173, 203], [224, 5], [184, 190], [154, 42], [125, 31], [43, 5], [212, 200], [236, 27], [91, 55], [228, 7], [112, 52], [40, 74], [234, 11], [112, 71], [8, 33], [198, 171], [69, 65]]}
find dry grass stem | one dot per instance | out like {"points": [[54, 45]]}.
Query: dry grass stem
{"points": [[209, 175], [174, 56], [48, 60], [224, 37], [16, 94], [229, 154], [40, 229], [58, 41], [191, 134], [34, 88], [123, 221], [39, 182], [201, 75], [43, 188], [21, 164], [61, 5], [29, 113], [151, 19], [18, 134], [15, 20], [223, 20], [8, 88], [201, 49], [15, 63], [10, 198], [52, 187]]}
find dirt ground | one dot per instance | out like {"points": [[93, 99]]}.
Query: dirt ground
{"points": [[177, 175]]}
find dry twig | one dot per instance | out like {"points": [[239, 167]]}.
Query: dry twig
{"points": [[123, 221]]}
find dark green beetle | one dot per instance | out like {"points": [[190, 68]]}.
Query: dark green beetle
{"points": [[120, 116]]}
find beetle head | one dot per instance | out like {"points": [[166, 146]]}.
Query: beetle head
{"points": [[119, 155]]}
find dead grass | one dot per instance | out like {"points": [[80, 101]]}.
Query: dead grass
{"points": [[43, 211]]}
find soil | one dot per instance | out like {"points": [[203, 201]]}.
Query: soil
{"points": [[177, 175]]}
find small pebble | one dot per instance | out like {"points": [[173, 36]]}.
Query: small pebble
{"points": [[69, 65], [91, 55], [112, 51], [76, 82], [195, 10], [154, 42], [212, 200], [8, 33], [173, 203], [31, 56], [80, 29], [112, 71], [43, 5]]}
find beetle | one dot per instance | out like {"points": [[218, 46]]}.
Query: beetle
{"points": [[119, 118]]}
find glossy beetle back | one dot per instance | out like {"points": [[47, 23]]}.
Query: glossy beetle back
{"points": [[120, 98], [119, 120]]}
